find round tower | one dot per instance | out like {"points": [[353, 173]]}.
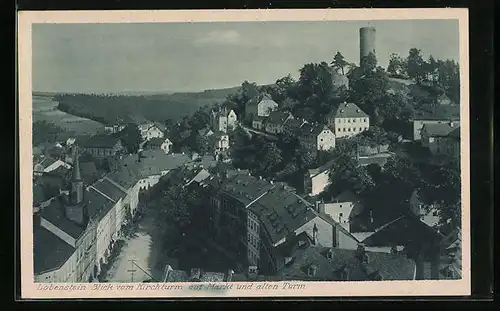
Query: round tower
{"points": [[366, 42]]}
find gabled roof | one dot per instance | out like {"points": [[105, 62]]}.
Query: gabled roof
{"points": [[49, 251], [348, 110], [282, 212], [278, 117], [438, 112], [101, 141], [329, 263], [245, 188], [439, 129], [313, 129], [54, 213]]}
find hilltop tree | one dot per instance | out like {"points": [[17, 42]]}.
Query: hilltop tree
{"points": [[397, 65], [368, 88], [315, 90], [339, 62], [415, 65]]}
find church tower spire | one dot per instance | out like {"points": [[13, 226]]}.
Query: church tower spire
{"points": [[76, 181]]}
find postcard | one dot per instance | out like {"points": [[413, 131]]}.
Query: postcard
{"points": [[244, 153]]}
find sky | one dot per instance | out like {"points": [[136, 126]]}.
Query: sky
{"points": [[190, 57]]}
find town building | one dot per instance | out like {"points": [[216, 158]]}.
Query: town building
{"points": [[316, 180], [64, 238], [196, 275], [220, 143], [305, 261], [348, 120], [151, 130], [442, 138], [258, 123], [260, 107], [275, 123], [434, 114], [161, 143], [343, 209], [316, 137], [150, 165], [47, 164], [292, 127], [102, 146], [114, 128], [75, 233]]}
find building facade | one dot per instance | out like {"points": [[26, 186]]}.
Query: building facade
{"points": [[348, 120]]}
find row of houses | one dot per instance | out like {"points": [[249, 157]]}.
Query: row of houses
{"points": [[76, 229], [255, 221], [75, 232], [346, 121]]}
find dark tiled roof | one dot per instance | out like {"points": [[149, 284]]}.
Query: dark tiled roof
{"points": [[278, 117], [259, 118], [439, 112], [49, 251], [439, 129], [97, 204], [330, 262], [153, 162], [54, 213], [155, 142], [455, 133], [89, 172], [126, 175], [109, 188], [246, 188], [348, 110], [404, 230], [282, 212], [312, 129], [101, 141]]}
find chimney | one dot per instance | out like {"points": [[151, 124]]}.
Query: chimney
{"points": [[315, 233], [451, 124], [371, 217], [76, 182]]}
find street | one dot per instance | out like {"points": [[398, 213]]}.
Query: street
{"points": [[138, 259]]}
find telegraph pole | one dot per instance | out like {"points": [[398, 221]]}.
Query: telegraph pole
{"points": [[132, 270]]}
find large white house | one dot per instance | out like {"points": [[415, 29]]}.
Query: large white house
{"points": [[151, 130]]}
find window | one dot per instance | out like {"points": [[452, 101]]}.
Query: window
{"points": [[348, 120], [360, 128], [349, 129], [341, 215]]}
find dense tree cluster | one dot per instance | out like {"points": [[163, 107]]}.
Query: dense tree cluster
{"points": [[44, 131], [443, 75]]}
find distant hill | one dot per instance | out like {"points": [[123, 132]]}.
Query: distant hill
{"points": [[129, 106]]}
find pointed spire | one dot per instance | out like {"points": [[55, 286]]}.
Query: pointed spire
{"points": [[76, 165]]}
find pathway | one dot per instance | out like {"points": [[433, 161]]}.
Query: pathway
{"points": [[139, 256]]}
